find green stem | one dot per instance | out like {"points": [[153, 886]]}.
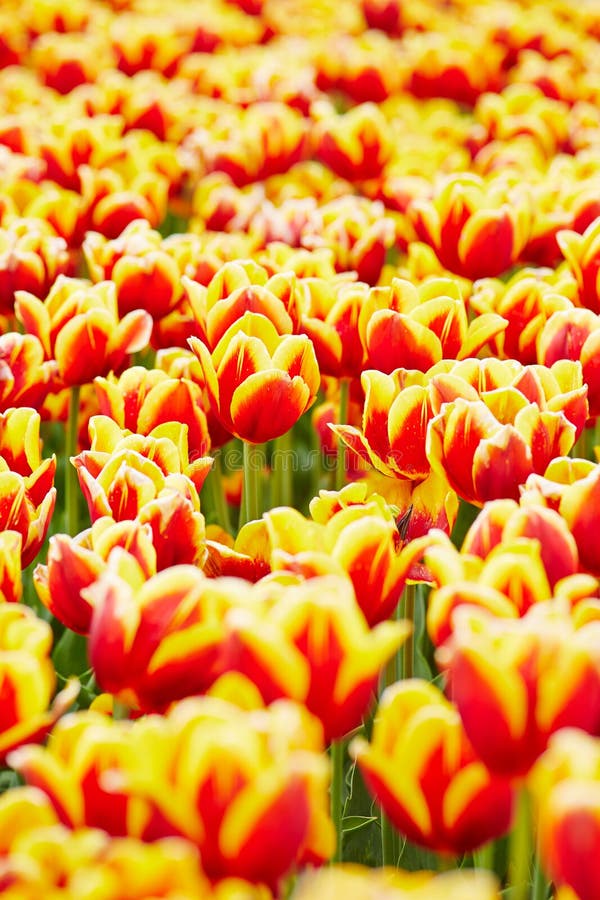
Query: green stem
{"points": [[252, 491], [282, 483], [71, 481], [215, 494], [338, 752], [388, 842], [390, 848], [408, 650], [483, 857], [340, 471], [540, 885], [520, 849]]}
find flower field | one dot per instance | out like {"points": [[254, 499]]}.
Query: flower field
{"points": [[299, 450]]}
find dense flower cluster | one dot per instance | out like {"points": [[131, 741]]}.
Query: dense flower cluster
{"points": [[299, 457]]}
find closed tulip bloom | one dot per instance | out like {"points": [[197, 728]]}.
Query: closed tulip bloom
{"points": [[576, 505], [574, 334], [510, 580], [515, 682], [526, 302], [356, 144], [422, 769], [26, 481], [259, 383], [140, 399], [74, 563], [329, 316], [476, 229], [144, 274], [27, 679], [27, 377], [79, 326], [506, 520], [344, 657], [487, 447], [396, 414], [565, 784], [31, 258], [240, 287], [155, 640], [417, 327], [582, 254]]}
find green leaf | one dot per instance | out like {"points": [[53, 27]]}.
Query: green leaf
{"points": [[362, 844], [355, 823]]}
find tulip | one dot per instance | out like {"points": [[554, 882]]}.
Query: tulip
{"points": [[79, 327], [488, 447], [507, 582], [239, 287], [574, 334], [31, 258], [27, 679], [146, 634], [526, 302], [359, 541], [122, 471], [259, 383], [505, 520], [256, 143], [141, 399], [517, 681], [321, 620], [476, 230], [565, 785], [145, 276], [417, 327], [422, 769], [26, 376], [449, 67], [26, 481], [582, 254], [329, 316], [356, 144], [76, 563], [396, 413], [362, 883], [576, 506], [222, 777], [183, 365], [356, 230], [523, 109]]}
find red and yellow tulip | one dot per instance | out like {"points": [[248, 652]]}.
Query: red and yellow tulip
{"points": [[27, 679], [259, 383], [220, 776], [565, 784], [516, 681], [422, 769], [78, 326]]}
